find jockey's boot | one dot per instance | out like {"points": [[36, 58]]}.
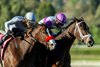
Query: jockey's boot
{"points": [[1, 42]]}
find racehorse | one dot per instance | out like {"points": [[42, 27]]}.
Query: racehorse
{"points": [[60, 56], [22, 53]]}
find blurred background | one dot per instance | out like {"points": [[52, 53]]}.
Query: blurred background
{"points": [[89, 9]]}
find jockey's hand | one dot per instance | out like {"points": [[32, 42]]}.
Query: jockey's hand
{"points": [[9, 32]]}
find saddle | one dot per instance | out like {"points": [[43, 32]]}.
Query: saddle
{"points": [[3, 47]]}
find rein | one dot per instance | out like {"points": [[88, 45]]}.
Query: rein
{"points": [[32, 37], [80, 33]]}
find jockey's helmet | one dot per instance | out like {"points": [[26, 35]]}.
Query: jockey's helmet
{"points": [[61, 18], [31, 18]]}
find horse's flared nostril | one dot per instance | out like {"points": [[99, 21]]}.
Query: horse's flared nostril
{"points": [[51, 44], [91, 43]]}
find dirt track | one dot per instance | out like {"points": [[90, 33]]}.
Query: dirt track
{"points": [[85, 64]]}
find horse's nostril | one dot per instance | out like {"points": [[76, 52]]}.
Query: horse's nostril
{"points": [[51, 44], [90, 42]]}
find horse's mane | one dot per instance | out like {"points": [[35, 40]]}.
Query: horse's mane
{"points": [[70, 23], [73, 20], [38, 25]]}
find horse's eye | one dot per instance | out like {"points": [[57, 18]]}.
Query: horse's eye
{"points": [[44, 32], [80, 25], [87, 28]]}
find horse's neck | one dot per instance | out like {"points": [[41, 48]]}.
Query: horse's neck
{"points": [[34, 31], [25, 44], [70, 31]]}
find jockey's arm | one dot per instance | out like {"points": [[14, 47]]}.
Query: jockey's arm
{"points": [[41, 22], [7, 25], [12, 23]]}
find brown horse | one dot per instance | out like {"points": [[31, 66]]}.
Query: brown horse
{"points": [[60, 56], [22, 53]]}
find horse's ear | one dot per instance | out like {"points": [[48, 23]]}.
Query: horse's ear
{"points": [[81, 18], [75, 18]]}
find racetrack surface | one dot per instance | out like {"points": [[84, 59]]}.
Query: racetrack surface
{"points": [[80, 63], [84, 64]]}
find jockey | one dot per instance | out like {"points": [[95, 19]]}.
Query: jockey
{"points": [[54, 22], [18, 25]]}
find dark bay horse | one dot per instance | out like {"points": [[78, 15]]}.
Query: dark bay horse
{"points": [[60, 56], [22, 53]]}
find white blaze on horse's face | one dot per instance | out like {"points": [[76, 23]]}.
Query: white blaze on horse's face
{"points": [[87, 38], [51, 41], [52, 44]]}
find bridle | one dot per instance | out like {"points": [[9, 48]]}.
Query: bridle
{"points": [[77, 28]]}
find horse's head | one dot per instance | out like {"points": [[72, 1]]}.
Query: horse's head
{"points": [[81, 32], [41, 35]]}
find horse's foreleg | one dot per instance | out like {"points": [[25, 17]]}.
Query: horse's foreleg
{"points": [[57, 64], [54, 65], [2, 63]]}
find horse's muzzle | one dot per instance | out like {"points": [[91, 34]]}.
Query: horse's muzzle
{"points": [[90, 42], [52, 44]]}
